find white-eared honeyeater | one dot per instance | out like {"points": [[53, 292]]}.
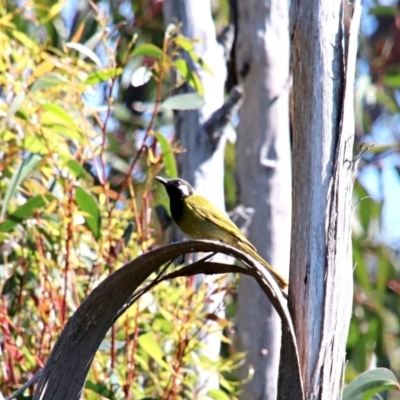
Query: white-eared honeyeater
{"points": [[198, 218]]}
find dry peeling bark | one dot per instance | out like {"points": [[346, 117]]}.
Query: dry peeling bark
{"points": [[321, 278]]}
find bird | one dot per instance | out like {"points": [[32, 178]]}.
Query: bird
{"points": [[198, 218]]}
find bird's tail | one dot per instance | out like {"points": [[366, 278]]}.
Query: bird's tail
{"points": [[282, 282]]}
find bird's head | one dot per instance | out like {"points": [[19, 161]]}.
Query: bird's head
{"points": [[177, 189]]}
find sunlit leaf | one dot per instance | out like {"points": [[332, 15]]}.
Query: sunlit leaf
{"points": [[43, 68], [184, 43], [6, 21], [90, 210], [54, 11], [24, 39], [186, 101], [217, 394], [54, 115], [102, 75], [24, 212], [167, 155], [187, 45], [189, 76], [35, 144], [27, 166], [85, 51], [151, 346], [147, 50]]}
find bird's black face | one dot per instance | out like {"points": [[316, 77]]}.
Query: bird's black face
{"points": [[177, 189]]}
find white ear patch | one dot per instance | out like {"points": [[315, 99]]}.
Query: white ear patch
{"points": [[184, 190]]}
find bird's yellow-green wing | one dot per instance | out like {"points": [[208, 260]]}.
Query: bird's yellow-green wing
{"points": [[206, 210]]}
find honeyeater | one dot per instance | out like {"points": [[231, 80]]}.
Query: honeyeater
{"points": [[198, 218]]}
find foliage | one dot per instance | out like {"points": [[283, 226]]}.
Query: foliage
{"points": [[375, 327], [76, 199], [368, 384]]}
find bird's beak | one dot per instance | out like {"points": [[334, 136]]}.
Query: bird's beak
{"points": [[161, 179]]}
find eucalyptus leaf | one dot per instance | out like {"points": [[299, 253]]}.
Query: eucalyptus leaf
{"points": [[27, 166], [167, 155], [90, 209], [373, 381], [24, 212], [147, 50]]}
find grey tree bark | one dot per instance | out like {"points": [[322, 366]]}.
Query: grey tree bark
{"points": [[320, 293], [203, 162], [264, 174]]}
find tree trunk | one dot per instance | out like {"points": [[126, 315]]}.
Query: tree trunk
{"points": [[203, 162], [321, 281], [264, 173]]}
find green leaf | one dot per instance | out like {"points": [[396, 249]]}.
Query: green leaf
{"points": [[217, 394], [35, 144], [147, 50], [392, 80], [102, 75], [54, 115], [188, 45], [90, 209], [369, 383], [383, 11], [151, 346], [24, 212], [24, 39], [167, 155], [54, 11], [77, 170], [186, 101], [100, 388], [27, 166], [189, 76]]}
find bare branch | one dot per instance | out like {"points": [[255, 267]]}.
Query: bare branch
{"points": [[220, 118]]}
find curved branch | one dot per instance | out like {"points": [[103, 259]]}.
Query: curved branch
{"points": [[64, 374]]}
